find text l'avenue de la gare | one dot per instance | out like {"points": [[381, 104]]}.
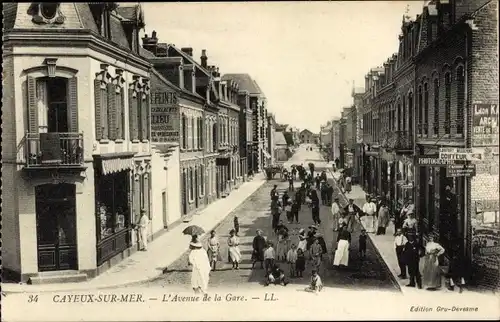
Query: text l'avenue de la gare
{"points": [[166, 297]]}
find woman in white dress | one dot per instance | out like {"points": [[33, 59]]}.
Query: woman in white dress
{"points": [[335, 214], [233, 243], [200, 263], [341, 256], [432, 272]]}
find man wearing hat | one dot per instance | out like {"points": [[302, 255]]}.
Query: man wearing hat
{"points": [[142, 228], [411, 255], [369, 210]]}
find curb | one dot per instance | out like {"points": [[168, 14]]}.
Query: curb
{"points": [[379, 255], [137, 282]]}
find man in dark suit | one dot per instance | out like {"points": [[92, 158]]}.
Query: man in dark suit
{"points": [[412, 252], [351, 210]]}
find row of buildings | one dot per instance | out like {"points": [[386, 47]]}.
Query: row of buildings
{"points": [[427, 129], [100, 125]]}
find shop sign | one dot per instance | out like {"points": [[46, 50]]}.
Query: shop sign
{"points": [[461, 170], [486, 234], [433, 162], [461, 154], [485, 125], [165, 117], [487, 205]]}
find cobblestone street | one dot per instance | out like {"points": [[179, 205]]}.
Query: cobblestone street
{"points": [[254, 213]]}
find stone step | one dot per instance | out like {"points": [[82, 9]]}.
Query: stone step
{"points": [[58, 277]]}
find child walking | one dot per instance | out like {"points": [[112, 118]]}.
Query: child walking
{"points": [[288, 210], [269, 256], [300, 264], [362, 243]]}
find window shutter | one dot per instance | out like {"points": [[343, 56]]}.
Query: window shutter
{"points": [[32, 106], [202, 131], [148, 117], [143, 117], [73, 104], [190, 134], [104, 112], [97, 101], [120, 120], [112, 111], [132, 102]]}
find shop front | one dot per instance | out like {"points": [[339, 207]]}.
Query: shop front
{"points": [[222, 163], [371, 170], [113, 179]]}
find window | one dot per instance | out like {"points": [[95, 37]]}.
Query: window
{"points": [[101, 110], [425, 129], [447, 103], [49, 10], [184, 138], [460, 99], [214, 137], [436, 107], [202, 180], [193, 134], [420, 111], [201, 132], [404, 114], [410, 113], [191, 185]]}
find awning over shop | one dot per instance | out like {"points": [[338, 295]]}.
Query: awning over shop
{"points": [[115, 162], [266, 154], [116, 165]]}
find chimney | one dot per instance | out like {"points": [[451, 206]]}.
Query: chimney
{"points": [[188, 50], [204, 58], [150, 43]]}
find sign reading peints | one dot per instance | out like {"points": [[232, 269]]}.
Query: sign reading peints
{"points": [[485, 125], [165, 117]]}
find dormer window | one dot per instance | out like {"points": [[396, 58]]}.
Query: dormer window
{"points": [[46, 13]]}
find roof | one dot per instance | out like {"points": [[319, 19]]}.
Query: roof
{"points": [[77, 16], [305, 130], [245, 83], [279, 138]]}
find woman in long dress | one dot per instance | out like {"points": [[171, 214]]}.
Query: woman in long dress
{"points": [[342, 253], [233, 243], [432, 272], [200, 263], [213, 249], [335, 214], [383, 219]]}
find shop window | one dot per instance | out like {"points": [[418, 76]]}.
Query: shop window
{"points": [[184, 129], [112, 204]]}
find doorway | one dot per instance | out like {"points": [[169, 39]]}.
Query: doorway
{"points": [[57, 103], [56, 227]]}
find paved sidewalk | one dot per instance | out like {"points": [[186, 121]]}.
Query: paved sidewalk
{"points": [[385, 244], [163, 251]]}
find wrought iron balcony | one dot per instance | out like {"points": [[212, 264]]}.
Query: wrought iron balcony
{"points": [[54, 150], [401, 140]]}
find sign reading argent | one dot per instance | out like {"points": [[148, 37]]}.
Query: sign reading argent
{"points": [[165, 117], [485, 125]]}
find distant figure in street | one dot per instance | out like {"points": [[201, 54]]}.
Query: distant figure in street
{"points": [[383, 219], [300, 264], [329, 194], [276, 213], [285, 198], [276, 276], [269, 256], [213, 249], [302, 244], [294, 173], [199, 261], [399, 244], [407, 209], [236, 225], [432, 272], [295, 211], [369, 210], [311, 168], [341, 255], [274, 193], [317, 180], [324, 198], [316, 285], [288, 211], [362, 243], [411, 255], [337, 163], [316, 253], [335, 214], [290, 182], [283, 241], [352, 211], [233, 242], [142, 228], [291, 258], [302, 193], [410, 224], [456, 273], [259, 246], [348, 184], [315, 207]]}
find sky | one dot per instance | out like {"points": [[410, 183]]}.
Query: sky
{"points": [[305, 56]]}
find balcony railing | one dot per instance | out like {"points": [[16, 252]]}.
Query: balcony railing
{"points": [[53, 150], [401, 140]]}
